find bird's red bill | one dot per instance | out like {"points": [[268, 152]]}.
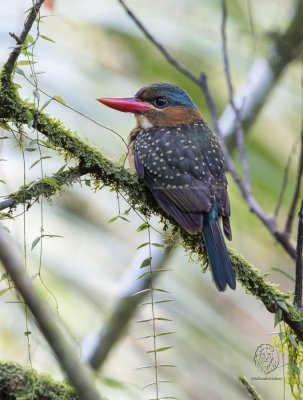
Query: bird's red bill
{"points": [[127, 104]]}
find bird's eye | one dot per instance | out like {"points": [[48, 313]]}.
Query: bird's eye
{"points": [[160, 101]]}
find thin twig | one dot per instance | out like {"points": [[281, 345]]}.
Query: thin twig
{"points": [[251, 390], [284, 181], [9, 66], [299, 263], [239, 128], [78, 374], [172, 60]]}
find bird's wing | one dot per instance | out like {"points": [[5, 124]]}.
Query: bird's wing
{"points": [[171, 161]]}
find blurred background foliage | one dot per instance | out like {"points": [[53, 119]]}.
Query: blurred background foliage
{"points": [[98, 52]]}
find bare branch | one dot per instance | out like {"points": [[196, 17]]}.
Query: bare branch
{"points": [[239, 128], [299, 263], [9, 66], [172, 60], [251, 201], [78, 374]]}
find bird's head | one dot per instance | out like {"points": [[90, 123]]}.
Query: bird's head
{"points": [[158, 104]]}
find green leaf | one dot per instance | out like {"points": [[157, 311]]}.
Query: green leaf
{"points": [[145, 273], [295, 368], [19, 71], [28, 115], [62, 168], [36, 94], [282, 305], [50, 182], [142, 227], [30, 39], [46, 104], [165, 333], [59, 99], [2, 181], [27, 333], [158, 244], [87, 182], [35, 242], [122, 159], [113, 219], [160, 349], [47, 38], [124, 219], [36, 162], [126, 212], [4, 125], [146, 262], [26, 62], [30, 149], [142, 245], [47, 144], [160, 290], [3, 291], [145, 366], [292, 340], [163, 319], [4, 276], [52, 236], [278, 317]]}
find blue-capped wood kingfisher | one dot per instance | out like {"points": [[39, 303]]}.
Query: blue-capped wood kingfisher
{"points": [[180, 160]]}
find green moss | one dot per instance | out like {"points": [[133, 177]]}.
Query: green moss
{"points": [[288, 342], [21, 383]]}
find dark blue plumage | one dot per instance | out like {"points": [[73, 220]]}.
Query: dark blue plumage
{"points": [[181, 162]]}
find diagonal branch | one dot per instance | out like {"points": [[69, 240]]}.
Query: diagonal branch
{"points": [[9, 66], [170, 58], [78, 374], [112, 175]]}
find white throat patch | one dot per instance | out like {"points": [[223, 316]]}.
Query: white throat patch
{"points": [[143, 122]]}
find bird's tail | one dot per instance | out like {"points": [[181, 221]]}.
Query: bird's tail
{"points": [[219, 260]]}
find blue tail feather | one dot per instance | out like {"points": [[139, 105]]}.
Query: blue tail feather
{"points": [[219, 260]]}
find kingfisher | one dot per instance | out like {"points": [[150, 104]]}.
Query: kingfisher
{"points": [[180, 160]]}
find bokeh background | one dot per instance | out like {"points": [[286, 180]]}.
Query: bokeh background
{"points": [[98, 52]]}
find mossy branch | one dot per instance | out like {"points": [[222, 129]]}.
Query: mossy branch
{"points": [[253, 394], [46, 187], [17, 382], [92, 161]]}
